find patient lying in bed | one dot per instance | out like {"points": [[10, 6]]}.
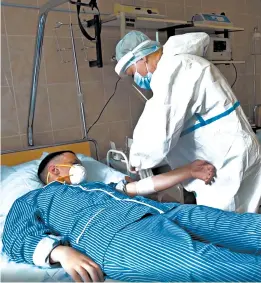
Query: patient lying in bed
{"points": [[92, 230]]}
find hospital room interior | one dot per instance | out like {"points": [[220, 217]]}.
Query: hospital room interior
{"points": [[159, 100]]}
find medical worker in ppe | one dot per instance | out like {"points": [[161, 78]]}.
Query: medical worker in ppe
{"points": [[193, 114]]}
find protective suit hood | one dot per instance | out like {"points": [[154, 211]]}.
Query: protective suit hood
{"points": [[190, 43]]}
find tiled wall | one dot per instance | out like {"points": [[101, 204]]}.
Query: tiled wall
{"points": [[57, 111]]}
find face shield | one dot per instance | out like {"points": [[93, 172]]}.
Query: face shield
{"points": [[131, 48]]}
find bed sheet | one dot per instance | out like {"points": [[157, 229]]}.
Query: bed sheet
{"points": [[11, 271], [19, 272]]}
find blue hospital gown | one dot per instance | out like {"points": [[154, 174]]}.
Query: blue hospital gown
{"points": [[136, 239]]}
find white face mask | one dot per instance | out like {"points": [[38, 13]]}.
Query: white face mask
{"points": [[77, 174]]}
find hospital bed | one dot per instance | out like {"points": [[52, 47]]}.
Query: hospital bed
{"points": [[19, 176]]}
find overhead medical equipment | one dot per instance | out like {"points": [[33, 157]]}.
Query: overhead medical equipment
{"points": [[215, 25], [209, 23], [137, 17], [219, 49], [136, 10], [212, 19]]}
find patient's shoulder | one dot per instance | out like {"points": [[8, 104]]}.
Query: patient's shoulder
{"points": [[28, 198]]}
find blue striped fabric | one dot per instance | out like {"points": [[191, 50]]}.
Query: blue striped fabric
{"points": [[177, 246], [137, 239], [156, 249], [65, 210]]}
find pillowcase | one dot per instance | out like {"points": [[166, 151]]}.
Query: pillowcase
{"points": [[15, 182], [97, 171]]}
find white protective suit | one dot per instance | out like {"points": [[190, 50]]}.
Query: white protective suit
{"points": [[194, 114]]}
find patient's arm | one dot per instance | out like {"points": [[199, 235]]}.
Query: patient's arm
{"points": [[198, 169], [26, 238], [77, 265]]}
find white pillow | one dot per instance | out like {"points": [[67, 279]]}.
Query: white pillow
{"points": [[97, 171], [15, 182]]}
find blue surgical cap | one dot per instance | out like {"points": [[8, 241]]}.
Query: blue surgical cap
{"points": [[131, 48]]}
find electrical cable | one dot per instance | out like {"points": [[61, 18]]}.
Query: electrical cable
{"points": [[104, 106], [235, 77]]}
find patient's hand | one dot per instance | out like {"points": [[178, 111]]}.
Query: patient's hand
{"points": [[203, 170], [77, 265]]}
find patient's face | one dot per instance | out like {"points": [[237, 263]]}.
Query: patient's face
{"points": [[68, 159]]}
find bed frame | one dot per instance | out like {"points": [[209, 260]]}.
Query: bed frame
{"points": [[18, 157]]}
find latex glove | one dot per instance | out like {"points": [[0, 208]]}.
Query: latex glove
{"points": [[80, 267]]}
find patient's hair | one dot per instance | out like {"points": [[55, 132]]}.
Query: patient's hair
{"points": [[43, 170]]}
